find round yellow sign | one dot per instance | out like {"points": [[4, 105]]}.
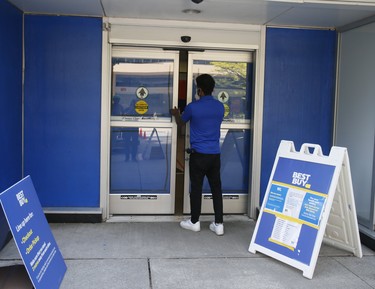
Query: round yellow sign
{"points": [[226, 109], [141, 107]]}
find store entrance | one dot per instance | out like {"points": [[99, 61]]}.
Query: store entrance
{"points": [[148, 162]]}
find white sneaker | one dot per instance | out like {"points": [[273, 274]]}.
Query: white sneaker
{"points": [[188, 225], [217, 228]]}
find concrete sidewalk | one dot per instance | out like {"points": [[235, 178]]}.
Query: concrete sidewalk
{"points": [[158, 254]]}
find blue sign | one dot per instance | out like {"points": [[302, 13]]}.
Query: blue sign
{"points": [[312, 208], [32, 235], [293, 208], [276, 198], [303, 174]]}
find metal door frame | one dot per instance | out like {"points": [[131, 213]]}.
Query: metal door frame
{"points": [[140, 204], [232, 205]]}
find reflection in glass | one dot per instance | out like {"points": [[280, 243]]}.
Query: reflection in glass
{"points": [[140, 160], [141, 87], [233, 86], [234, 162]]}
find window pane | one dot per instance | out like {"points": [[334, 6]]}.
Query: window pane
{"points": [[234, 162], [140, 160], [233, 86], [142, 87]]}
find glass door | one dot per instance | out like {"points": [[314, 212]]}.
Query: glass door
{"points": [[233, 74], [142, 150]]}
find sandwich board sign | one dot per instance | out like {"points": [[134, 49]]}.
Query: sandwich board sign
{"points": [[309, 199], [32, 235]]}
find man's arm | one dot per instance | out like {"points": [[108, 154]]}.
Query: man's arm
{"points": [[176, 113]]}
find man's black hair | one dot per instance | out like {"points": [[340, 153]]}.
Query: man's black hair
{"points": [[206, 83]]}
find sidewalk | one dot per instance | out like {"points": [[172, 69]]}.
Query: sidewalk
{"points": [[158, 254]]}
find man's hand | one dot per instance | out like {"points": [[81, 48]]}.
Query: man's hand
{"points": [[174, 111]]}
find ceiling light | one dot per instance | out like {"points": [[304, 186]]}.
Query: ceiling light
{"points": [[197, 1], [191, 11]]}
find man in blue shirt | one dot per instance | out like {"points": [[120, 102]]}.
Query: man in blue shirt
{"points": [[205, 116]]}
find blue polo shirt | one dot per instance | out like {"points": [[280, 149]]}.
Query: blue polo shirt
{"points": [[205, 116]]}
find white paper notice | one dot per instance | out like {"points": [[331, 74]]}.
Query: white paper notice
{"points": [[286, 233], [293, 203]]}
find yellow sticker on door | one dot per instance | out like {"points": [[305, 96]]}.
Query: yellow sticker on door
{"points": [[226, 110], [141, 107]]}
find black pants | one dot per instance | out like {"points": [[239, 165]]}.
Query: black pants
{"points": [[201, 165]]}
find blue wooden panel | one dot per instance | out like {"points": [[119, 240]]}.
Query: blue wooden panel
{"points": [[10, 95], [62, 108], [299, 91], [10, 103]]}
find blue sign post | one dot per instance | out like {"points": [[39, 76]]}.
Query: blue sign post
{"points": [[32, 235]]}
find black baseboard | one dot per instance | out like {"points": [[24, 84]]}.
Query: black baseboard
{"points": [[368, 241], [73, 218]]}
